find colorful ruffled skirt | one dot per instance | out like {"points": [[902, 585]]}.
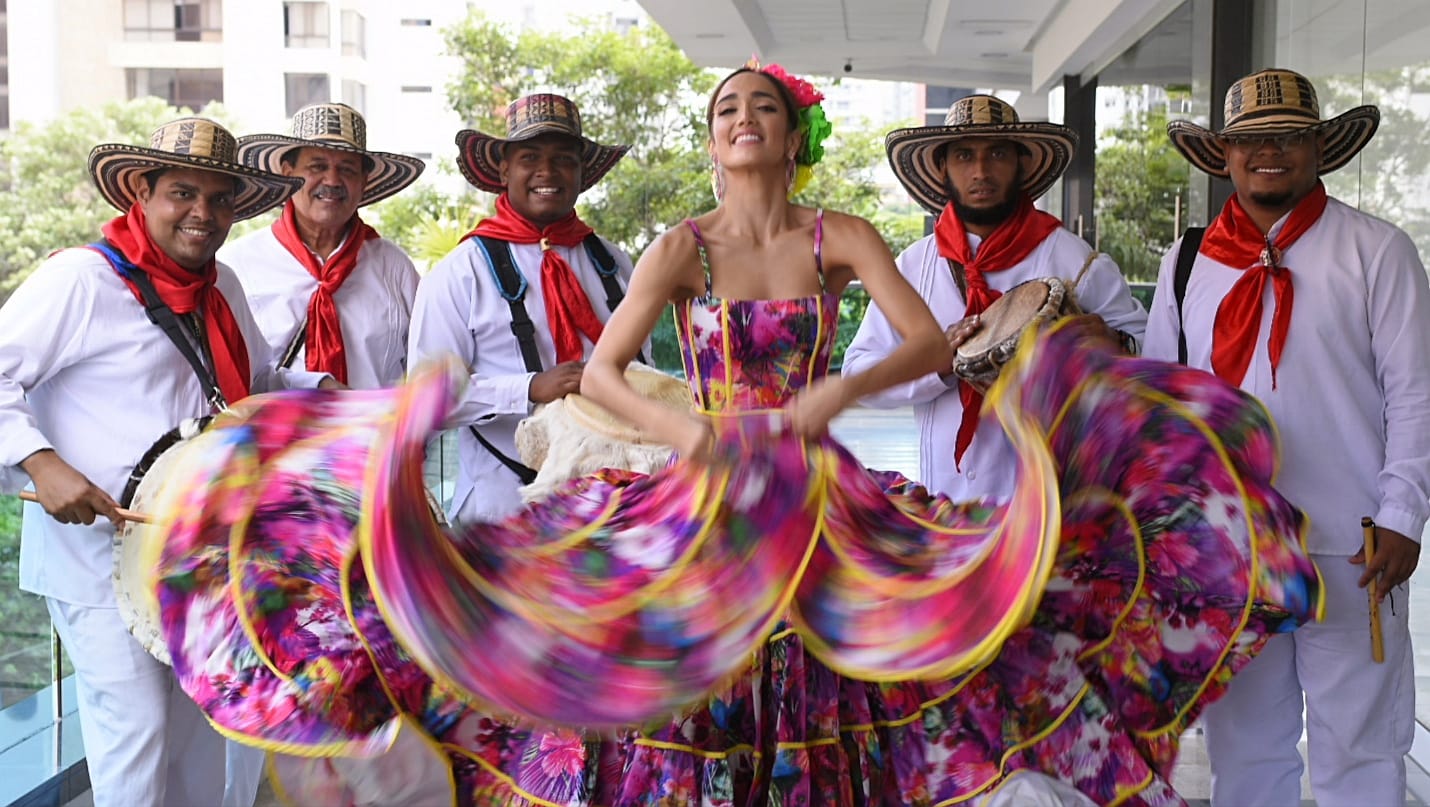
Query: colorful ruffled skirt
{"points": [[782, 627]]}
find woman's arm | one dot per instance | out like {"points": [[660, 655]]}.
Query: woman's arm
{"points": [[659, 277], [853, 243]]}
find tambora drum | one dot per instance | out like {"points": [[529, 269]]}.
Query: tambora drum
{"points": [[1031, 303], [573, 436], [133, 586]]}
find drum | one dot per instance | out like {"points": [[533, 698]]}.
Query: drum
{"points": [[574, 436], [1034, 302], [133, 586]]}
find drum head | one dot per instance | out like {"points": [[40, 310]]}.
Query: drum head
{"points": [[649, 382], [1006, 317]]}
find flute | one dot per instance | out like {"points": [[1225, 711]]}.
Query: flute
{"points": [[127, 515], [1377, 639]]}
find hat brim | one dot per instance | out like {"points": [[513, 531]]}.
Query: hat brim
{"points": [[479, 157], [118, 170], [1345, 135], [913, 155], [390, 173]]}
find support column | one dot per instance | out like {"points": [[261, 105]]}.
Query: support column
{"points": [[1232, 41], [1080, 114]]}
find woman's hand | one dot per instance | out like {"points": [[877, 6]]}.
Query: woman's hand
{"points": [[811, 410], [696, 441]]}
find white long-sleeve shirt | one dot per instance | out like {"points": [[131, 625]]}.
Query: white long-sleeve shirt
{"points": [[1352, 396], [374, 303], [84, 372], [989, 463], [460, 311]]}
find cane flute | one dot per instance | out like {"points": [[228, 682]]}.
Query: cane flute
{"points": [[127, 515], [1377, 639]]}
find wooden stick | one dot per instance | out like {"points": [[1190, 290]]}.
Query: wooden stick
{"points": [[1377, 639], [127, 515]]}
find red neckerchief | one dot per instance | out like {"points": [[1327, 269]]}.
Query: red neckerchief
{"points": [[1234, 240], [184, 292], [568, 311], [323, 343], [1008, 244]]}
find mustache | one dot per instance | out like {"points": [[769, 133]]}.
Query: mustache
{"points": [[335, 192]]}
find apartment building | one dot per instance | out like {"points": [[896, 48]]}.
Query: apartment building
{"points": [[262, 59]]}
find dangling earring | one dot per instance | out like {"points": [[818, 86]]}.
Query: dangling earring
{"points": [[717, 180], [790, 168]]}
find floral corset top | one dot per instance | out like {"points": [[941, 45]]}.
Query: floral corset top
{"points": [[755, 354]]}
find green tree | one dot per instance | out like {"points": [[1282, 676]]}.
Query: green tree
{"points": [[427, 222], [633, 88], [1139, 179], [47, 199]]}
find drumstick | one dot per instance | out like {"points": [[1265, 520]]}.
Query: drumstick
{"points": [[1377, 639], [127, 515]]}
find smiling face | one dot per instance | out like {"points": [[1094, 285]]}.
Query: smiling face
{"points": [[333, 182], [543, 177], [984, 180], [188, 212], [752, 122], [1272, 175]]}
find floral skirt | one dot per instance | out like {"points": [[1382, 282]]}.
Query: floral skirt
{"points": [[780, 628]]}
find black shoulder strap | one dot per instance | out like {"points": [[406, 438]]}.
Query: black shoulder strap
{"points": [[160, 314], [295, 344], [513, 290], [1186, 256], [610, 278]]}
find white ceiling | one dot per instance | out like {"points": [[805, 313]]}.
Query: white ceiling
{"points": [[1006, 44]]}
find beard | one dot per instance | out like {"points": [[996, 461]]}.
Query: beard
{"points": [[990, 216], [1275, 200]]}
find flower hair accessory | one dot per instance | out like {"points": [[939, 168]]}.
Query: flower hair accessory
{"points": [[813, 126]]}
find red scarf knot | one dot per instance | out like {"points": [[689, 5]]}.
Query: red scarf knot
{"points": [[1235, 240], [1009, 243], [323, 347], [186, 291], [569, 314]]}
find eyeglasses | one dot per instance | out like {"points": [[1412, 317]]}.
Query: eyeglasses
{"points": [[1278, 142]]}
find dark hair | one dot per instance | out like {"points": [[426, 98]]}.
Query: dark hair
{"points": [[791, 105], [290, 157], [151, 178]]}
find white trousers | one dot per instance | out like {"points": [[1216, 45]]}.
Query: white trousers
{"points": [[146, 742], [1360, 716]]}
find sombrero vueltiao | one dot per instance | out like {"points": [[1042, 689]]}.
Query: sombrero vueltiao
{"points": [[341, 128], [1272, 103], [914, 153], [118, 168], [479, 155]]}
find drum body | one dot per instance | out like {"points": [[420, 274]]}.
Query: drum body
{"points": [[573, 436], [1030, 303], [132, 577]]}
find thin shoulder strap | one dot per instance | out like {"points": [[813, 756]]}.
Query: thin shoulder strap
{"points": [[513, 289], [160, 314], [704, 256], [1186, 256], [819, 245]]}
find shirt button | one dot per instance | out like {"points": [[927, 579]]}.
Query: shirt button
{"points": [[972, 474]]}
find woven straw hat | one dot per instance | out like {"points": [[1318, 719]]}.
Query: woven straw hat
{"points": [[1273, 103], [479, 155], [914, 152], [118, 168], [341, 128], [649, 382]]}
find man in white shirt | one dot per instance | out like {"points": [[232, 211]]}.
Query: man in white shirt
{"points": [[88, 383], [1323, 313], [521, 300], [329, 293], [980, 173]]}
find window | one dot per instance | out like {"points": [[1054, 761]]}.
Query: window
{"points": [[173, 20], [190, 88], [417, 88], [354, 34], [303, 89], [355, 95], [305, 25], [414, 22]]}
